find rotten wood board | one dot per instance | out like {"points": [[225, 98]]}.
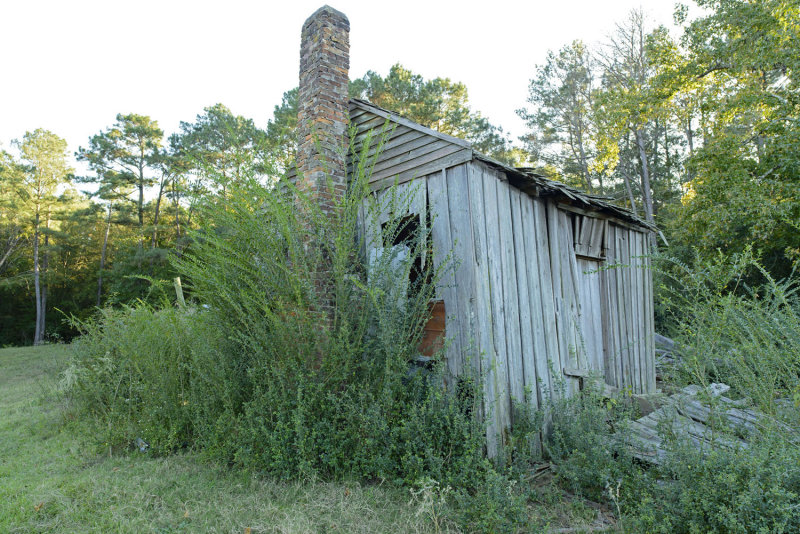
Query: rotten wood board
{"points": [[706, 426]]}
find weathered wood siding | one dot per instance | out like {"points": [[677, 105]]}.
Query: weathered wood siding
{"points": [[407, 151], [534, 289], [627, 287]]}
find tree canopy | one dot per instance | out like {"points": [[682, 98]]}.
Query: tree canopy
{"points": [[698, 133]]}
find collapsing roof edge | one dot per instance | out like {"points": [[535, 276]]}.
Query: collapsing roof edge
{"points": [[548, 186]]}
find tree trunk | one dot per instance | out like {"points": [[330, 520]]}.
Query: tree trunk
{"points": [[574, 141], [37, 336], [177, 222], [45, 269], [188, 222], [154, 240], [626, 177], [141, 210], [585, 165], [647, 199], [690, 143], [103, 256], [177, 200], [655, 142]]}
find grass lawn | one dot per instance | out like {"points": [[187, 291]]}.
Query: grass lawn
{"points": [[53, 480]]}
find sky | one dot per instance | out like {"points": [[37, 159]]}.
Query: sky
{"points": [[71, 66]]}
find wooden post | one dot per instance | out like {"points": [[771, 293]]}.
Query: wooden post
{"points": [[179, 292]]}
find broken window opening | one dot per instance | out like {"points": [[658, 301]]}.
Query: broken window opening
{"points": [[406, 235], [589, 236]]}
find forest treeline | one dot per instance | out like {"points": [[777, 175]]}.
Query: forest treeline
{"points": [[700, 134]]}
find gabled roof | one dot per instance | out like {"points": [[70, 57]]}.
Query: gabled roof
{"points": [[411, 150], [357, 103]]}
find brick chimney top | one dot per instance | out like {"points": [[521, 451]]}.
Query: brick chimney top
{"points": [[330, 11], [322, 106]]}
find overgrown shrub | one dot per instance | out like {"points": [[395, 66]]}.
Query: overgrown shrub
{"points": [[132, 373], [318, 374], [753, 489], [747, 337], [587, 444]]}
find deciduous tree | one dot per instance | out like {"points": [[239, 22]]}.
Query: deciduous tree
{"points": [[559, 118], [44, 156], [742, 59]]}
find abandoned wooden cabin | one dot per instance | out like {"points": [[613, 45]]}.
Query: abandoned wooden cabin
{"points": [[551, 285]]}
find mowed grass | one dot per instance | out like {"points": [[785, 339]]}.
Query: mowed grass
{"points": [[52, 478]]}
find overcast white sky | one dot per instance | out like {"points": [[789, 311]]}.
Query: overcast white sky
{"points": [[71, 66]]}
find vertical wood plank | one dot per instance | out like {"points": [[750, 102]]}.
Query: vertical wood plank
{"points": [[630, 303], [651, 348], [591, 312], [584, 331], [553, 240], [648, 318], [510, 294], [636, 253], [484, 312], [494, 246], [461, 235], [522, 357], [635, 311], [558, 271], [583, 243], [609, 369], [643, 310], [596, 237], [551, 291], [612, 376], [569, 285], [614, 303], [446, 290], [619, 312], [625, 307], [540, 295]]}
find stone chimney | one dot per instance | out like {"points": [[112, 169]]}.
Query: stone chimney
{"points": [[322, 106]]}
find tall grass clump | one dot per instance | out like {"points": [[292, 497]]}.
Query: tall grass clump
{"points": [[132, 373], [316, 371]]}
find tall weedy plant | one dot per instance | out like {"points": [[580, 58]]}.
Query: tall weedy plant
{"points": [[747, 337], [321, 325]]}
